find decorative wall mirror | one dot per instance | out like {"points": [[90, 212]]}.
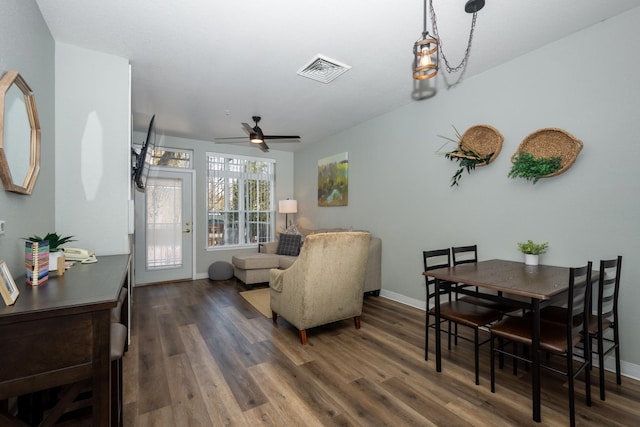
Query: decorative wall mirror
{"points": [[19, 135]]}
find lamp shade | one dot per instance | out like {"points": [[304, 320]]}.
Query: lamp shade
{"points": [[288, 206]]}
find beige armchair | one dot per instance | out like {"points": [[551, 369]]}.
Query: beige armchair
{"points": [[325, 284]]}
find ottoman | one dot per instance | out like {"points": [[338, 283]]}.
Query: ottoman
{"points": [[220, 270], [254, 268]]}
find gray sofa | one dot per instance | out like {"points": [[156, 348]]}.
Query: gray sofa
{"points": [[254, 268]]}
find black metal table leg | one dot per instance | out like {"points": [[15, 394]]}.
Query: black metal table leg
{"points": [[535, 359]]}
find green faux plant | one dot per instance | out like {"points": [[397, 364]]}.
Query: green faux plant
{"points": [[529, 247], [55, 240], [466, 158], [531, 168]]}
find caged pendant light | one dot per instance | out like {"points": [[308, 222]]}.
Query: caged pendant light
{"points": [[425, 53], [427, 50]]}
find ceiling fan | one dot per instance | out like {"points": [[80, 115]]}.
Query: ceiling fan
{"points": [[256, 136]]}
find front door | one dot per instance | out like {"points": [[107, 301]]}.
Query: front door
{"points": [[164, 227]]}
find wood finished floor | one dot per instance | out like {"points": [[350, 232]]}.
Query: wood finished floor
{"points": [[202, 356]]}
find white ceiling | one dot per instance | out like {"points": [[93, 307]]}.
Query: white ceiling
{"points": [[205, 66]]}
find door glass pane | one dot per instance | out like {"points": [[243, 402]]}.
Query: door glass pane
{"points": [[164, 223]]}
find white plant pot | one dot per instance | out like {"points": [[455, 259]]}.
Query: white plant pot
{"points": [[53, 260], [530, 259]]}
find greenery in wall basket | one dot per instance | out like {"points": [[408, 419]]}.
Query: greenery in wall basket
{"points": [[466, 158], [529, 247], [531, 168]]}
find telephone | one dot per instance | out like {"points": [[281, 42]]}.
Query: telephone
{"points": [[82, 255]]}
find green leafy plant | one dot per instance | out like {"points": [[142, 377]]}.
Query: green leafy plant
{"points": [[529, 247], [466, 158], [55, 240], [531, 168]]}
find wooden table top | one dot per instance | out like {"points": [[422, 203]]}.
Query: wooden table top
{"points": [[540, 281], [84, 287]]}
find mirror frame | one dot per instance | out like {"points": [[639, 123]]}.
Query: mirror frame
{"points": [[25, 187]]}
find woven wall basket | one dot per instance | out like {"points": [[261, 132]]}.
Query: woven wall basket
{"points": [[551, 142], [484, 140]]}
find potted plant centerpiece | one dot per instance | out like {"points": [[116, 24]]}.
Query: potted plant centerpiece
{"points": [[532, 250], [55, 242]]}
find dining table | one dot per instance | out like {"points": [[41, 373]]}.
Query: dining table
{"points": [[529, 287]]}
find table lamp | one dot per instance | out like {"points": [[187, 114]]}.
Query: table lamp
{"points": [[287, 207]]}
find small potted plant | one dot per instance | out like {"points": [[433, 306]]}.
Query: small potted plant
{"points": [[55, 242], [532, 250]]}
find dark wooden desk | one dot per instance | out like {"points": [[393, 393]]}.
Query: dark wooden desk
{"points": [[59, 333], [538, 284]]}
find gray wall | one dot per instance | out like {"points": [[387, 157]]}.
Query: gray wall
{"points": [[27, 47], [399, 189], [92, 149]]}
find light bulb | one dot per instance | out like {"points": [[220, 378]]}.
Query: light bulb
{"points": [[425, 58]]}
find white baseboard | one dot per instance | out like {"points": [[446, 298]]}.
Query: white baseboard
{"points": [[627, 369], [403, 299]]}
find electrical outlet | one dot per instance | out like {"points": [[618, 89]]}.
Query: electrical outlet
{"points": [[1, 227]]}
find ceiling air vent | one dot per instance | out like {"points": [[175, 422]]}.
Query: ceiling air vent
{"points": [[323, 69]]}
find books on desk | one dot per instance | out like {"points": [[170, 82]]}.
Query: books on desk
{"points": [[36, 261]]}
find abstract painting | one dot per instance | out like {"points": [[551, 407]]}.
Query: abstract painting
{"points": [[333, 180]]}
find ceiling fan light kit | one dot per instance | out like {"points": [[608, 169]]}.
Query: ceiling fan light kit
{"points": [[257, 136], [428, 49]]}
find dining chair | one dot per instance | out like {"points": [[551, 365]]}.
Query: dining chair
{"points": [[604, 317], [467, 255], [555, 338], [459, 312]]}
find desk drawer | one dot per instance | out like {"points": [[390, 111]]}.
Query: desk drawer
{"points": [[46, 345]]}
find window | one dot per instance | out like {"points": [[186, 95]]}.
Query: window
{"points": [[240, 205], [171, 157]]}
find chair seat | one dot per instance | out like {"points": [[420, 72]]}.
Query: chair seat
{"points": [[553, 336], [556, 314], [593, 324], [118, 339], [470, 315], [553, 314]]}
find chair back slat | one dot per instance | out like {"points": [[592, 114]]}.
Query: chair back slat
{"points": [[464, 254]]}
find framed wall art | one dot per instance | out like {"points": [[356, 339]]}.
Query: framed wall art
{"points": [[8, 287], [333, 180]]}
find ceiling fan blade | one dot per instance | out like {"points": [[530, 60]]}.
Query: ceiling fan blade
{"points": [[231, 140], [281, 137], [283, 141], [264, 147], [247, 128]]}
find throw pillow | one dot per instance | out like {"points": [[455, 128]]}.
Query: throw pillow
{"points": [[289, 244]]}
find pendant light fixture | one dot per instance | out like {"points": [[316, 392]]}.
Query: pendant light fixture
{"points": [[427, 51]]}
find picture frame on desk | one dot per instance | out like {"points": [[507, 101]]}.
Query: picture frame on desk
{"points": [[8, 287]]}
